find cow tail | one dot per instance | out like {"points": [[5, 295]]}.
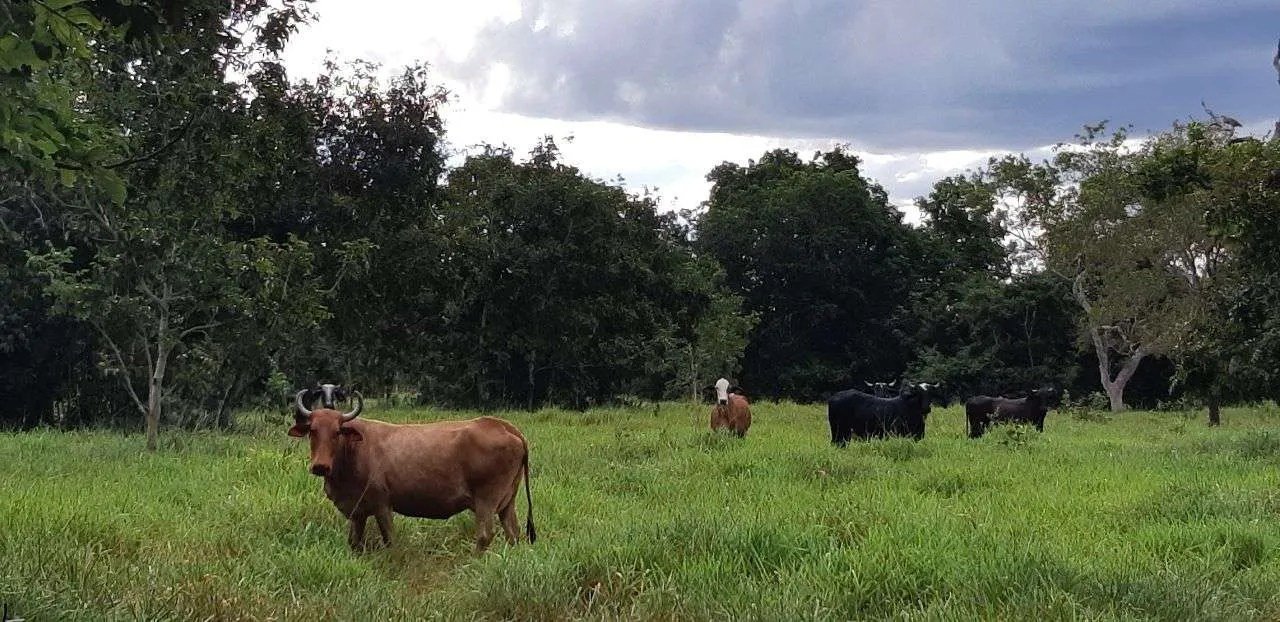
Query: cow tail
{"points": [[528, 496]]}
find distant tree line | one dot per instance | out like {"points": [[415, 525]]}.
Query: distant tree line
{"points": [[187, 231]]}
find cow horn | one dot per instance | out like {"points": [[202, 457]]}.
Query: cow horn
{"points": [[355, 413], [302, 408]]}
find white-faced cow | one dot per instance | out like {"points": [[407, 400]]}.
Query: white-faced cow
{"points": [[731, 412], [328, 394], [882, 389], [853, 413], [431, 470]]}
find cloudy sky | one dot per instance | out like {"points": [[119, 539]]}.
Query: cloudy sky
{"points": [[659, 91]]}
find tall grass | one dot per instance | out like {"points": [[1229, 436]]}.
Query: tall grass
{"points": [[1137, 516]]}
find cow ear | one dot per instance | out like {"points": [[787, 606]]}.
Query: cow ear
{"points": [[736, 389], [299, 430], [352, 434]]}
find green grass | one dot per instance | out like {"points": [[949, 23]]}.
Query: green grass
{"points": [[1133, 517]]}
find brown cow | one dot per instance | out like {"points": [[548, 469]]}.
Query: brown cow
{"points": [[431, 470], [731, 411]]}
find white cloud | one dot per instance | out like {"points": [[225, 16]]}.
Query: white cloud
{"points": [[674, 163], [399, 32], [394, 32]]}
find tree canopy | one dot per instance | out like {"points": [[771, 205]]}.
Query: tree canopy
{"points": [[187, 229]]}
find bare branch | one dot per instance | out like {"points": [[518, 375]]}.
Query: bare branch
{"points": [[179, 133], [198, 329], [146, 290], [1275, 62], [124, 367]]}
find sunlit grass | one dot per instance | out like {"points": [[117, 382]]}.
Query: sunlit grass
{"points": [[1139, 516]]}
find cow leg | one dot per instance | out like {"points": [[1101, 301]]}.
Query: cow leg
{"points": [[355, 535], [484, 527], [384, 525], [509, 524], [977, 425]]}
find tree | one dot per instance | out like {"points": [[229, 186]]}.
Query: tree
{"points": [[554, 287], [823, 260], [153, 270], [380, 156], [44, 49], [995, 336], [963, 228], [1235, 347], [1126, 226]]}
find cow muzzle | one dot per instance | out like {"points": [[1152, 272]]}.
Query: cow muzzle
{"points": [[722, 402], [321, 469]]}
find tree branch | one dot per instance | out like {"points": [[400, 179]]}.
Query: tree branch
{"points": [[180, 133], [146, 290], [124, 367], [1104, 358], [1130, 366], [1275, 62], [197, 329]]}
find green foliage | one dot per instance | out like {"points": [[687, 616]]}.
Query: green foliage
{"points": [[963, 226], [141, 257], [1124, 521], [1129, 226], [1013, 435], [983, 336], [45, 47], [1235, 351], [202, 240], [823, 260], [556, 287]]}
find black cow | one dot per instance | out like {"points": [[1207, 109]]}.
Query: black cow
{"points": [[328, 394], [983, 411], [854, 413], [882, 389]]}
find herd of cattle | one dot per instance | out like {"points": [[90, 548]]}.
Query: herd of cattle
{"points": [[436, 470]]}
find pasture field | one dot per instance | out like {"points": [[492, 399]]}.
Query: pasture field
{"points": [[1139, 516]]}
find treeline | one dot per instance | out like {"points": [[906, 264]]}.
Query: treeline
{"points": [[187, 230]]}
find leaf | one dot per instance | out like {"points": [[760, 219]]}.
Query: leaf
{"points": [[67, 177], [20, 54], [42, 122], [45, 145], [113, 186], [82, 17], [96, 155], [58, 5]]}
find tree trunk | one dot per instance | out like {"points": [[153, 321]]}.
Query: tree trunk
{"points": [[1215, 410], [693, 375], [1115, 386], [480, 378], [153, 411], [531, 384], [1115, 394], [155, 386], [224, 419]]}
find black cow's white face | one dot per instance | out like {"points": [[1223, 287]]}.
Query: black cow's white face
{"points": [[329, 394]]}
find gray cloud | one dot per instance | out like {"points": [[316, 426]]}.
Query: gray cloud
{"points": [[888, 75]]}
